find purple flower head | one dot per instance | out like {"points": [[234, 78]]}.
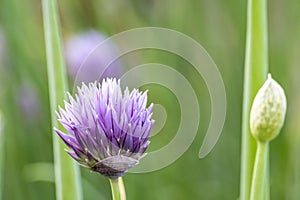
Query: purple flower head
{"points": [[87, 62], [109, 131]]}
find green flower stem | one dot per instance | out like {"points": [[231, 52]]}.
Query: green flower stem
{"points": [[2, 154], [260, 172], [256, 68], [117, 188], [67, 177], [267, 180]]}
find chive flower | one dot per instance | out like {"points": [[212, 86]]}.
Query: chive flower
{"points": [[109, 130], [87, 61]]}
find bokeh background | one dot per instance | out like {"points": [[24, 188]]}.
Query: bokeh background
{"points": [[26, 140]]}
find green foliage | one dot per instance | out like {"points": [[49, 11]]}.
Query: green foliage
{"points": [[219, 26]]}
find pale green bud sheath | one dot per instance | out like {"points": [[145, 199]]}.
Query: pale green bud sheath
{"points": [[268, 111], [266, 120]]}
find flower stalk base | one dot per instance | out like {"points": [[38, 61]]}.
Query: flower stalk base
{"points": [[117, 188], [260, 172]]}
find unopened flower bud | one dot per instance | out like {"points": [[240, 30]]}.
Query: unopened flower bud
{"points": [[268, 111]]}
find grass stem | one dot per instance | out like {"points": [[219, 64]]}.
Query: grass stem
{"points": [[67, 178], [255, 73]]}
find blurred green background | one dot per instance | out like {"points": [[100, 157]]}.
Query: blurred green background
{"points": [[26, 151]]}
